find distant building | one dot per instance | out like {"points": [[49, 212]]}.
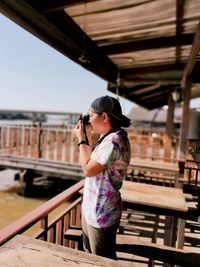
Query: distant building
{"points": [[155, 120], [64, 119]]}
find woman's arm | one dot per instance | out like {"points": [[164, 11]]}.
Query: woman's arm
{"points": [[90, 167]]}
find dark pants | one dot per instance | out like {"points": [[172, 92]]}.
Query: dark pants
{"points": [[100, 241]]}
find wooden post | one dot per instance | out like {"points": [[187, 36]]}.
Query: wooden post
{"points": [[25, 142], [59, 144], [51, 144], [41, 146], [144, 145], [33, 139], [133, 143], [44, 143], [7, 139], [11, 141], [185, 120], [18, 141], [169, 128], [67, 145]]}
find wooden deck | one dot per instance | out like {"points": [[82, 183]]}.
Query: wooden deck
{"points": [[44, 167], [142, 238], [136, 246], [24, 251]]}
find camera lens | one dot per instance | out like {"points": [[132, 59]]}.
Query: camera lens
{"points": [[85, 118]]}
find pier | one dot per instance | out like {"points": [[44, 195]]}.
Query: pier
{"points": [[43, 167], [46, 149]]}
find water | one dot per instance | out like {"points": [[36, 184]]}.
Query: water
{"points": [[13, 206]]}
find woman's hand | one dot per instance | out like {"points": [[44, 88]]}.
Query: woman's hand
{"points": [[78, 131]]}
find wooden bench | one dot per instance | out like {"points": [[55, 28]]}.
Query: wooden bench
{"points": [[152, 251], [75, 234], [189, 197], [153, 178], [193, 226], [155, 172], [171, 255]]}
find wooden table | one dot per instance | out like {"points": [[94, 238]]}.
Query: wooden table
{"points": [[23, 251], [167, 168], [158, 200]]}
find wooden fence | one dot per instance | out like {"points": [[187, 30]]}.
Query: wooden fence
{"points": [[54, 142]]}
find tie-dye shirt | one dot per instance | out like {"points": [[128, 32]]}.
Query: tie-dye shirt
{"points": [[102, 205]]}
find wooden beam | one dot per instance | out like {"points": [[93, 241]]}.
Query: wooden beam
{"points": [[150, 101], [145, 89], [132, 46], [169, 128], [193, 55], [96, 61], [179, 25], [45, 6], [185, 120], [179, 16], [151, 68]]}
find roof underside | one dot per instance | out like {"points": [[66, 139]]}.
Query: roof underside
{"points": [[143, 48]]}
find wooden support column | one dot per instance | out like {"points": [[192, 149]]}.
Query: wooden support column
{"points": [[186, 83], [185, 120], [169, 128]]}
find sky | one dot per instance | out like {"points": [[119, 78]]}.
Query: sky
{"points": [[34, 76]]}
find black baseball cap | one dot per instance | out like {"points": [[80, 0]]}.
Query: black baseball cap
{"points": [[112, 107]]}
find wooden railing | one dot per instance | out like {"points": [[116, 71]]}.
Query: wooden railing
{"points": [[38, 222], [192, 172], [57, 142]]}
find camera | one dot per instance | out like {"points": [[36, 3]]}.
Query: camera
{"points": [[85, 118]]}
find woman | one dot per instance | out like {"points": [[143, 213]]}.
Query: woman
{"points": [[104, 165]]}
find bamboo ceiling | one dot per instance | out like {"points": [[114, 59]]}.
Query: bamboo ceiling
{"points": [[143, 48]]}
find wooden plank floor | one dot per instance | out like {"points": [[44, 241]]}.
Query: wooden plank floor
{"points": [[24, 251], [150, 228]]}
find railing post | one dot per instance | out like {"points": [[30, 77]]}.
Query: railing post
{"points": [[68, 147], [59, 144], [39, 131], [44, 226]]}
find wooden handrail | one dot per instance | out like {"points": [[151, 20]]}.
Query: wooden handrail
{"points": [[28, 220]]}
